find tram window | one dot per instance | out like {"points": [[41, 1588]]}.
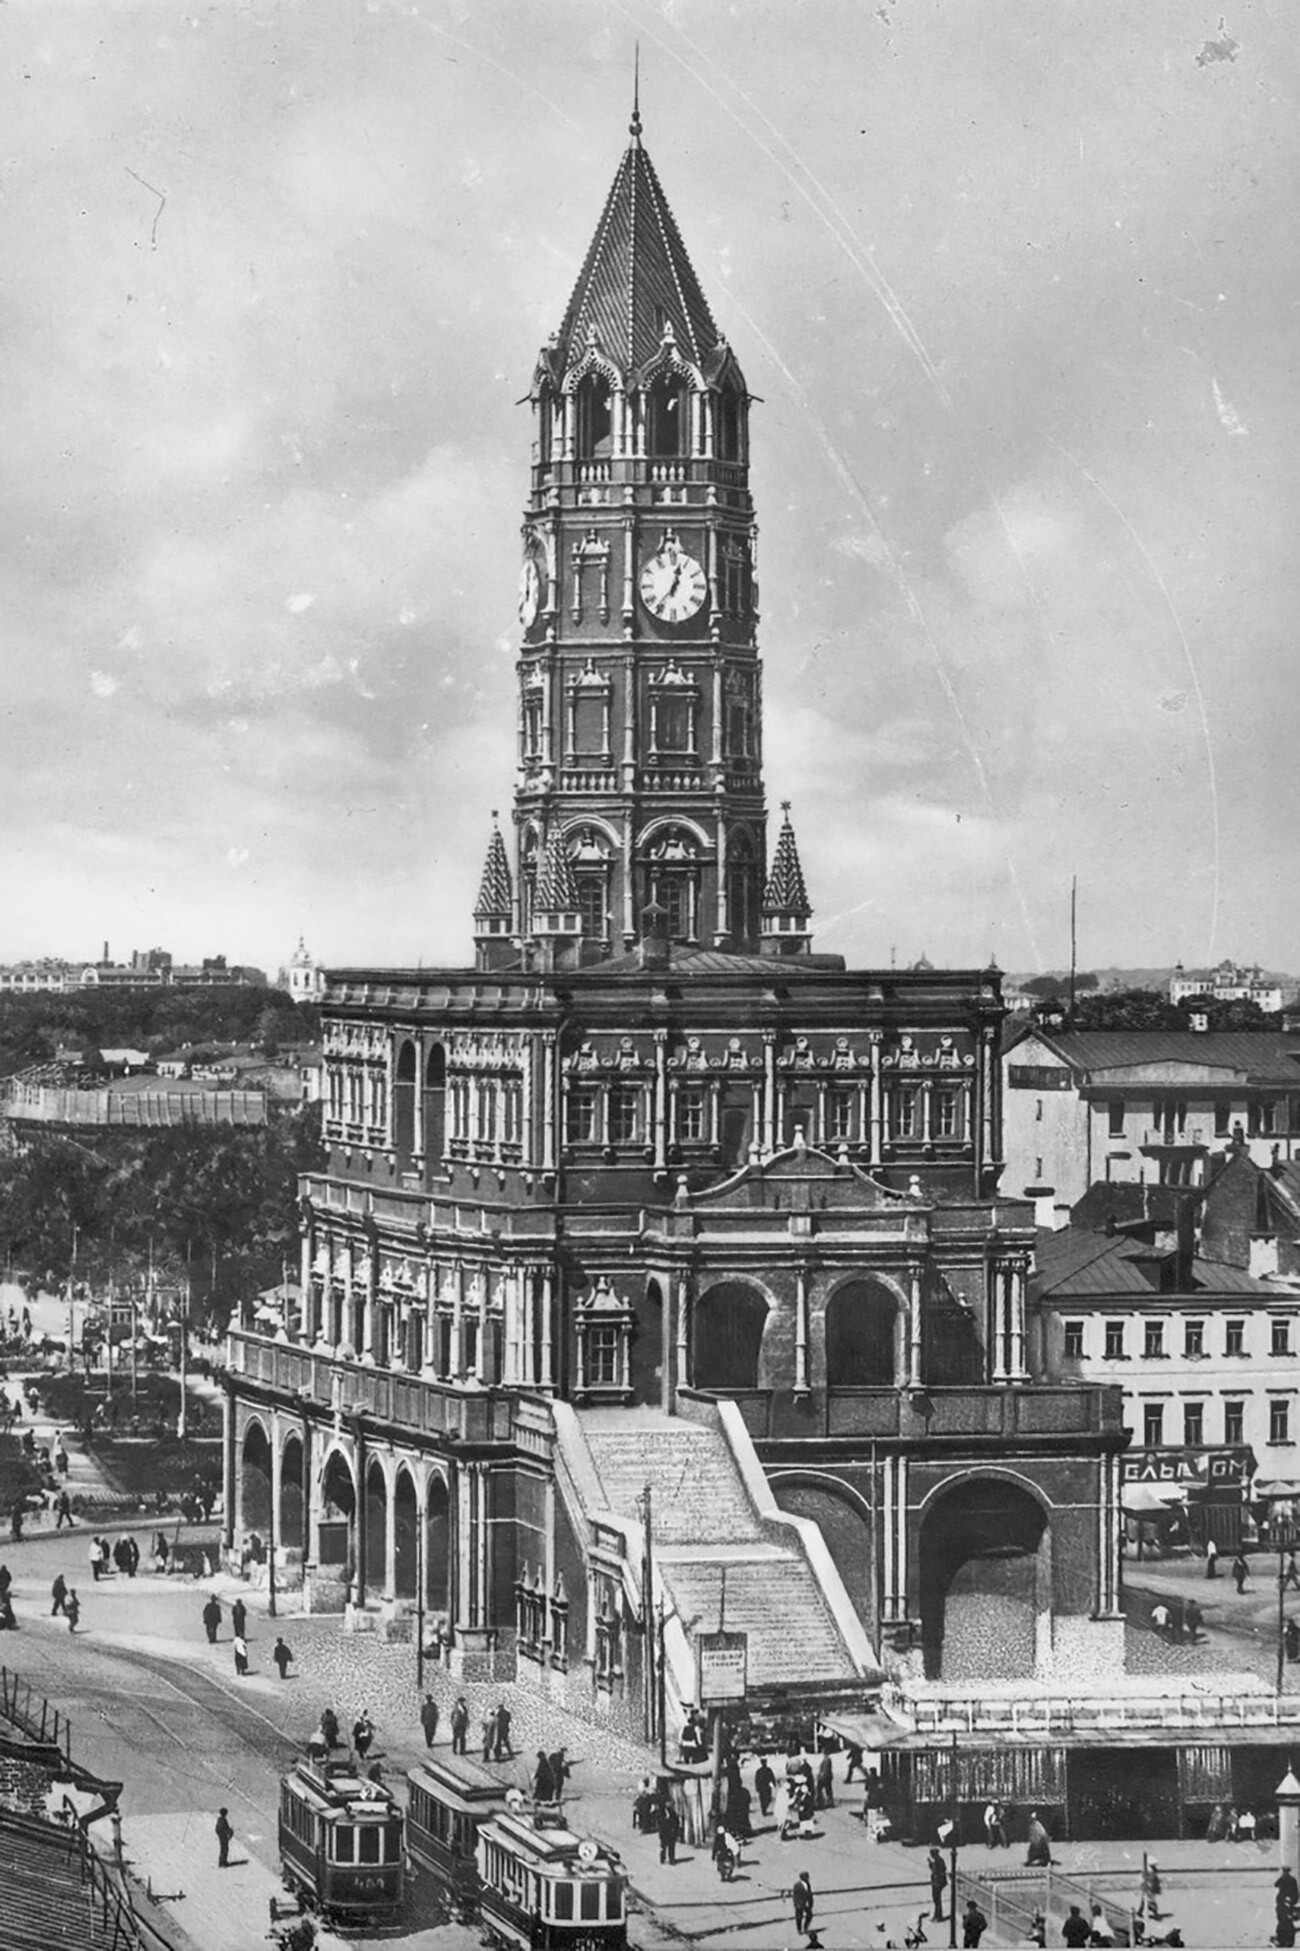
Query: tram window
{"points": [[343, 1845], [614, 1899], [368, 1845], [392, 1842], [564, 1900], [590, 1899]]}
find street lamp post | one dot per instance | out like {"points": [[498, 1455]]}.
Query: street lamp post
{"points": [[1284, 1538], [419, 1601], [954, 1816]]}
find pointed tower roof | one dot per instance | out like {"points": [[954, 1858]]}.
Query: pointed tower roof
{"points": [[496, 890], [557, 891], [785, 893], [637, 286]]}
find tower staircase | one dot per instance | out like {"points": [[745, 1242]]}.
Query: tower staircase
{"points": [[724, 1556]]}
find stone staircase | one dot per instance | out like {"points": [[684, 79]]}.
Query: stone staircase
{"points": [[722, 1561]]}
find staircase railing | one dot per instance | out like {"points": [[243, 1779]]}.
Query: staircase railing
{"points": [[24, 1708], [114, 1920]]}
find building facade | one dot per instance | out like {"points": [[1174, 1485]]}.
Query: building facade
{"points": [[1134, 1106], [658, 1267]]}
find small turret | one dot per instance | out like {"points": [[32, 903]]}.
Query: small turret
{"points": [[557, 922], [494, 909], [786, 907]]}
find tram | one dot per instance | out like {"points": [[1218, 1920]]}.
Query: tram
{"points": [[342, 1841], [448, 1798], [544, 1889]]}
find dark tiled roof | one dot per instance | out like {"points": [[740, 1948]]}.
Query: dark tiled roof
{"points": [[496, 888], [1265, 1056], [1078, 1263], [719, 961], [1123, 1200], [785, 893], [557, 891], [636, 279]]}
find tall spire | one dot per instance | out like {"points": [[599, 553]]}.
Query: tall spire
{"points": [[496, 889], [557, 891], [786, 907], [634, 126]]}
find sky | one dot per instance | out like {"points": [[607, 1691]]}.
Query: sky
{"points": [[1018, 289]]}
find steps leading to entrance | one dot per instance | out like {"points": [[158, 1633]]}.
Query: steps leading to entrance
{"points": [[696, 1493], [708, 1525]]}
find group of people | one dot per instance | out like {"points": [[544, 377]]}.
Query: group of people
{"points": [[1231, 1825], [1287, 1900], [328, 1735], [1177, 1623], [125, 1554], [494, 1729], [65, 1602]]}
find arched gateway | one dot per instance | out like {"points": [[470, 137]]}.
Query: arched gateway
{"points": [[985, 1581]]}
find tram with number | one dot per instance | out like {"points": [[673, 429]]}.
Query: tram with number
{"points": [[541, 1888], [448, 1798], [342, 1842]]}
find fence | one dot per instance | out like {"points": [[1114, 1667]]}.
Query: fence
{"points": [[1013, 1899], [113, 1923]]}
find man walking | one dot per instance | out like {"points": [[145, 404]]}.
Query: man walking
{"points": [[429, 1719], [764, 1786], [282, 1656], [239, 1617], [938, 1882], [211, 1619], [1240, 1572], [459, 1725], [95, 1560], [973, 1925], [670, 1828], [1211, 1559], [64, 1509], [1291, 1578], [241, 1656], [503, 1750], [801, 1896], [72, 1609], [59, 1594], [225, 1836]]}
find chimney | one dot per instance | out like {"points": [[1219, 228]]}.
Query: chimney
{"points": [[106, 954], [1185, 1237]]}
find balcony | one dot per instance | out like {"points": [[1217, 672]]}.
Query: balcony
{"points": [[1176, 1138], [382, 1395], [1006, 1413]]}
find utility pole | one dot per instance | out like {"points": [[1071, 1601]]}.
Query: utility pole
{"points": [[1285, 1544], [647, 1615], [185, 1328], [954, 1814], [663, 1690], [420, 1521], [270, 1555]]}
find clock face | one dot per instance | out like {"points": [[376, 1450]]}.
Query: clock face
{"points": [[673, 585], [530, 592]]}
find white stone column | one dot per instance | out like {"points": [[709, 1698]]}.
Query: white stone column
{"points": [[914, 1328], [683, 1331], [877, 1104], [801, 1334], [390, 1537], [549, 1107], [547, 1298], [997, 1321], [661, 1101], [769, 1093], [1017, 1280]]}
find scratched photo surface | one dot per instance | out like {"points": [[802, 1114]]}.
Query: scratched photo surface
{"points": [[1017, 287]]}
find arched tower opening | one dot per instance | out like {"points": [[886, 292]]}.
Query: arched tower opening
{"points": [[985, 1581], [255, 1475], [728, 1339], [404, 1104], [289, 1528], [862, 1323]]}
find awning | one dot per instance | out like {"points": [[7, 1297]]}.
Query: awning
{"points": [[1277, 1487], [879, 1730], [1145, 1500]]}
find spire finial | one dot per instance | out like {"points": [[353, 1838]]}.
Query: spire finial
{"points": [[634, 126], [785, 808]]}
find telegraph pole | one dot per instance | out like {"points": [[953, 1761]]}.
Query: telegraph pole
{"points": [[420, 1522], [955, 1818], [647, 1615]]}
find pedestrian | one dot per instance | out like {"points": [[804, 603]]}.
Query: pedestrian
{"points": [[1160, 1620], [825, 1790], [1291, 1641], [225, 1836], [241, 1655], [561, 1769], [502, 1751], [853, 1762], [318, 1746], [105, 1559], [239, 1616], [1288, 1896], [973, 1924], [1211, 1559], [6, 1580], [59, 1594], [363, 1734], [723, 1853], [61, 1458], [1291, 1577], [764, 1784], [1240, 1571], [489, 1734], [1099, 1927], [282, 1656], [938, 1882], [429, 1719], [8, 1623], [94, 1560], [329, 1722], [1217, 1827], [801, 1896], [212, 1619], [670, 1828], [63, 1507], [999, 1836], [72, 1609], [990, 1822], [1245, 1826], [16, 1523], [459, 1725], [1193, 1619], [544, 1780], [160, 1552], [1039, 1853], [1076, 1930], [133, 1556]]}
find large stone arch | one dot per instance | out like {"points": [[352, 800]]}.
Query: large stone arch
{"points": [[377, 1521], [435, 1105], [405, 1081], [406, 1551], [864, 1327], [986, 1578], [255, 1477], [846, 1523], [336, 1525], [289, 1518], [438, 1553], [729, 1320]]}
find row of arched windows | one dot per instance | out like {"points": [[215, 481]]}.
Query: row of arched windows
{"points": [[660, 423]]}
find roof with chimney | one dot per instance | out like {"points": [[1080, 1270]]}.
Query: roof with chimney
{"points": [[1253, 1056], [1077, 1264], [496, 890], [785, 893], [637, 288]]}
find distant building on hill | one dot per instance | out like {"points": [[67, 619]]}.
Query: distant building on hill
{"points": [[1232, 982], [303, 978]]}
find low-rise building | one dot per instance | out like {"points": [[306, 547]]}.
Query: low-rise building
{"points": [[1147, 1106], [1232, 982]]}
